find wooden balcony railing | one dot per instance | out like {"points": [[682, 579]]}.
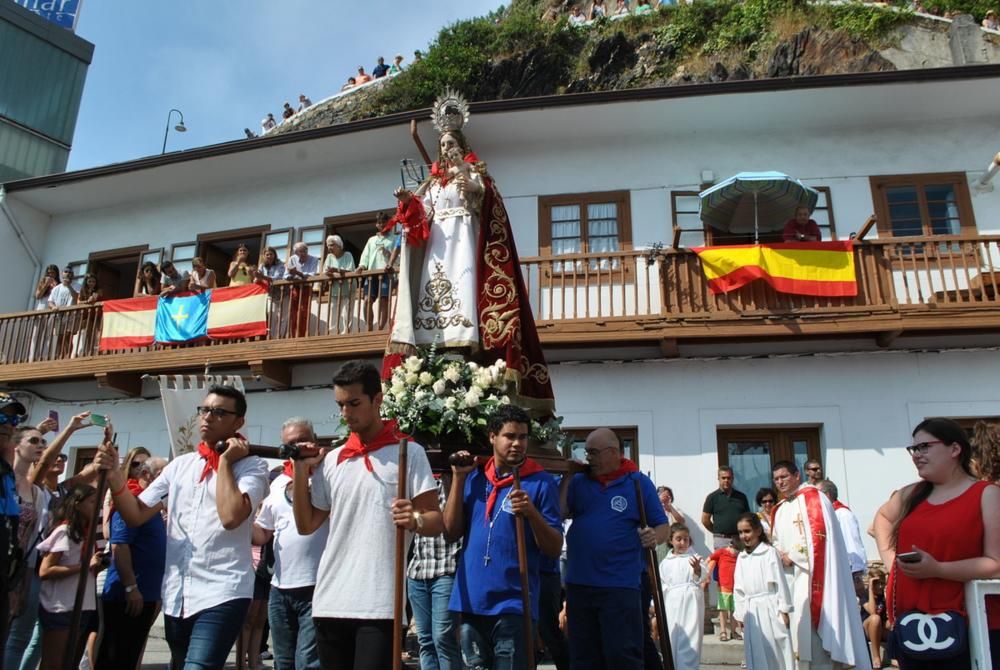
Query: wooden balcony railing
{"points": [[897, 277]]}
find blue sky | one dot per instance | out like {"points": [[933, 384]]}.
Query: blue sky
{"points": [[225, 64]]}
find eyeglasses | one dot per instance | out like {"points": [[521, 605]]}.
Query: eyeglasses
{"points": [[814, 467], [922, 447], [767, 501], [217, 412], [12, 419], [37, 440], [594, 451]]}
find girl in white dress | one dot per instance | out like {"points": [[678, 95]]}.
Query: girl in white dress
{"points": [[762, 600], [683, 602]]}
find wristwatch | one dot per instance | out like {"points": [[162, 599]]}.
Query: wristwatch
{"points": [[130, 589]]}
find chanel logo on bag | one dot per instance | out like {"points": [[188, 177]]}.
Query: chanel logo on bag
{"points": [[923, 634]]}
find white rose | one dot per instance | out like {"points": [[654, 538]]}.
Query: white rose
{"points": [[505, 400], [450, 403], [412, 378], [397, 388], [421, 395], [426, 379], [452, 373], [472, 366], [413, 364], [501, 364], [439, 387], [471, 399]]}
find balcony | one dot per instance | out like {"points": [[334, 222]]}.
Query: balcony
{"points": [[631, 298]]}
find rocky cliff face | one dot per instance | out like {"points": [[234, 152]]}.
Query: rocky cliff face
{"points": [[622, 61]]}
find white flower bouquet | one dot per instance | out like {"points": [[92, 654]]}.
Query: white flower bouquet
{"points": [[444, 397]]}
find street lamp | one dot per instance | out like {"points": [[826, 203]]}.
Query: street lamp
{"points": [[179, 127]]}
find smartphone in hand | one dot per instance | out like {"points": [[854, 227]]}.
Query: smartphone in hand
{"points": [[98, 420], [54, 416], [908, 557]]}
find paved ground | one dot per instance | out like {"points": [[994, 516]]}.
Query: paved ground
{"points": [[158, 656]]}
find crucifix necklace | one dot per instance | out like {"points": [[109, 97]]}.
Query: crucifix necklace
{"points": [[489, 534]]}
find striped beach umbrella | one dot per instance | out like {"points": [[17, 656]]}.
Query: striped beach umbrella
{"points": [[755, 201]]}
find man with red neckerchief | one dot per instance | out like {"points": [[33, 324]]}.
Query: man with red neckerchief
{"points": [[208, 583], [825, 627], [604, 554], [481, 510], [354, 487]]}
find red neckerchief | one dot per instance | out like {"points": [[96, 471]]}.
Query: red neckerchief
{"points": [[528, 468], [289, 469], [626, 466], [354, 447], [442, 173], [211, 458], [134, 487], [839, 505]]}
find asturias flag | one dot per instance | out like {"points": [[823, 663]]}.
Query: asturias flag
{"points": [[182, 318], [801, 268]]}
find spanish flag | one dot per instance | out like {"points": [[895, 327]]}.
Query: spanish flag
{"points": [[218, 314], [801, 268]]}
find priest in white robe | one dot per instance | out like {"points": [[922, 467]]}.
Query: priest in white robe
{"points": [[826, 627]]}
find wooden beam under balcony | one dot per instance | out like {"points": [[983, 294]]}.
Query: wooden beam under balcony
{"points": [[128, 383], [275, 373]]}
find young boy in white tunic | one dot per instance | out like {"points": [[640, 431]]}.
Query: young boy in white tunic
{"points": [[683, 601], [762, 600]]}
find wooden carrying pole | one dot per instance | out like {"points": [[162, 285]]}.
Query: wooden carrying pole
{"points": [[656, 586], [83, 581], [397, 605], [522, 568]]}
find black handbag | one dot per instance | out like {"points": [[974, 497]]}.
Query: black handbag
{"points": [[928, 637]]}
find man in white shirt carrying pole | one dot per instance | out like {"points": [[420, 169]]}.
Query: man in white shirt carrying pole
{"points": [[208, 583]]}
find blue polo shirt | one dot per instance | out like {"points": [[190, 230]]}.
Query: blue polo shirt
{"points": [[603, 547], [148, 544], [493, 587]]}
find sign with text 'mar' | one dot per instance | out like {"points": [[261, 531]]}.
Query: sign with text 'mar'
{"points": [[63, 13]]}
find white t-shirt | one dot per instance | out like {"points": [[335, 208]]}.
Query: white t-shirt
{"points": [[355, 579], [296, 557], [61, 296], [207, 565], [59, 595]]}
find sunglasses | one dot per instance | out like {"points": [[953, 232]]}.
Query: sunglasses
{"points": [[13, 419], [62, 458], [217, 412], [135, 465], [767, 501], [37, 440]]}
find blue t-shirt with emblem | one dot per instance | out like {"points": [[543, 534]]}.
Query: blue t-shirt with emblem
{"points": [[487, 582], [602, 544]]}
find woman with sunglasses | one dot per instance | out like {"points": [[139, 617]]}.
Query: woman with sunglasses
{"points": [[23, 647], [938, 534], [33, 523], [765, 499]]}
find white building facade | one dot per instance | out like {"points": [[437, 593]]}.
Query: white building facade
{"points": [[634, 343]]}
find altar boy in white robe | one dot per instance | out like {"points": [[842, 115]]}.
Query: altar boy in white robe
{"points": [[826, 629]]}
